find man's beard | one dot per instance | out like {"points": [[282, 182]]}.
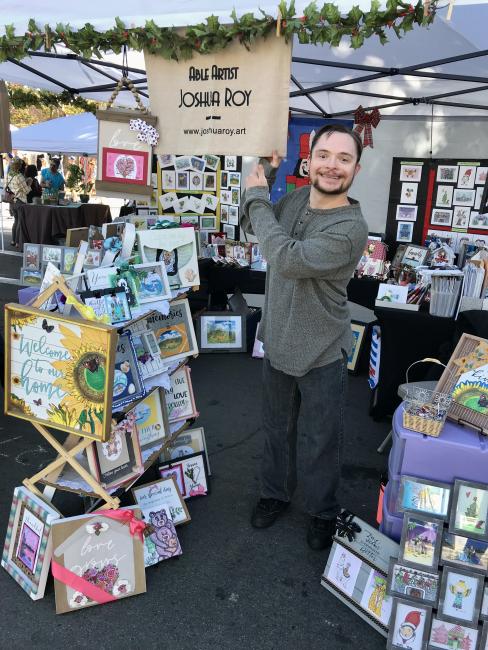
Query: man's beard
{"points": [[340, 190]]}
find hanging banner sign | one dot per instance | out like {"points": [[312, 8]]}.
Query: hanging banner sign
{"points": [[232, 102]]}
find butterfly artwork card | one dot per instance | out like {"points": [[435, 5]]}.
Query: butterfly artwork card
{"points": [[98, 558], [28, 545], [190, 475], [59, 371]]}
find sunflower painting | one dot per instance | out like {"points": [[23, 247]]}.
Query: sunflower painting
{"points": [[60, 371]]}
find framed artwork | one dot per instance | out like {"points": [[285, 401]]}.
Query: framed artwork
{"points": [[229, 231], [182, 181], [226, 196], [192, 219], [52, 254], [447, 173], [234, 179], [233, 215], [447, 635], [359, 585], [441, 217], [224, 180], [28, 545], [93, 258], [30, 276], [460, 596], [221, 332], [444, 196], [467, 175], [472, 554], [414, 256], [224, 213], [97, 558], [70, 254], [182, 162], [236, 196], [411, 173], [409, 625], [478, 197], [358, 330], [161, 542], [466, 378], [407, 582], [421, 540], [484, 637], [32, 256], [168, 179], [481, 173], [151, 496], [188, 442], [212, 162], [424, 496], [208, 223], [404, 231], [125, 166], [469, 512], [196, 182], [190, 475], [461, 217], [128, 384], [111, 303], [151, 421], [197, 163], [59, 371], [176, 248], [209, 202], [180, 401], [463, 197], [210, 181], [151, 282], [484, 605], [118, 460], [409, 193], [231, 163], [100, 278]]}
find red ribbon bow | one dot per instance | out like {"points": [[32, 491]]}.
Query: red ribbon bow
{"points": [[364, 121], [136, 526]]}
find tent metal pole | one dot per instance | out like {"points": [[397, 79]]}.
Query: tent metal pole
{"points": [[106, 64], [41, 74], [311, 99], [111, 86]]}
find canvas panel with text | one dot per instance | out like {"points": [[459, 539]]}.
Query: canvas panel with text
{"points": [[59, 371]]}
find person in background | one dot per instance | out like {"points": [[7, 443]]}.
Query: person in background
{"points": [[52, 180], [312, 240], [31, 178], [18, 185]]}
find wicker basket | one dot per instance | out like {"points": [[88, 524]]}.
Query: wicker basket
{"points": [[424, 410]]}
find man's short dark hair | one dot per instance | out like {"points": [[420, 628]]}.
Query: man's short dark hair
{"points": [[328, 129]]}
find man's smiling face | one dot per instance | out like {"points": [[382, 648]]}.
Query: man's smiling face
{"points": [[333, 163]]}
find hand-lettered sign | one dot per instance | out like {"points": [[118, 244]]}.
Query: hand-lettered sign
{"points": [[229, 102], [59, 371]]}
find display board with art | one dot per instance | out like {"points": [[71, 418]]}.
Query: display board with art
{"points": [[202, 191], [438, 197]]}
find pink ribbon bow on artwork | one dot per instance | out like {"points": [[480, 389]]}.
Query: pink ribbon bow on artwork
{"points": [[364, 121], [136, 526]]}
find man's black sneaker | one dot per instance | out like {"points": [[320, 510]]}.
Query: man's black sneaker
{"points": [[319, 534], [267, 512]]}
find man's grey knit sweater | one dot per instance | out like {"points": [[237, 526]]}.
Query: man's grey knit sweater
{"points": [[311, 257]]}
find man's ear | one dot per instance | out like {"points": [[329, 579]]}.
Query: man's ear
{"points": [[356, 171]]}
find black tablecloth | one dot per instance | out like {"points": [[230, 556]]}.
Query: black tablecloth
{"points": [[45, 224], [224, 279], [408, 336]]}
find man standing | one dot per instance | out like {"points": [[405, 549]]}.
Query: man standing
{"points": [[312, 240], [52, 181]]}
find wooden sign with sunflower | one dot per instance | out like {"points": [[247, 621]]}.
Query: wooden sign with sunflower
{"points": [[59, 371]]}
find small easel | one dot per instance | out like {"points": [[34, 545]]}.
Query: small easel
{"points": [[73, 444]]}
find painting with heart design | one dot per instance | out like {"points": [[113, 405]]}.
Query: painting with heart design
{"points": [[59, 371]]}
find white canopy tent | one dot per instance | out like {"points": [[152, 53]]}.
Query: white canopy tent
{"points": [[441, 66], [73, 134]]}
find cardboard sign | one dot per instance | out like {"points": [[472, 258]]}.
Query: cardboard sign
{"points": [[231, 102], [59, 371]]}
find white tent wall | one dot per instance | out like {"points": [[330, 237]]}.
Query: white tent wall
{"points": [[460, 138]]}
